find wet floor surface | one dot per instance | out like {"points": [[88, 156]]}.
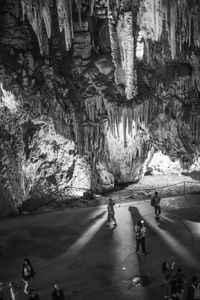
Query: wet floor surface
{"points": [[92, 261]]}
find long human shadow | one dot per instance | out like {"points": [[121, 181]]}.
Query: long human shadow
{"points": [[159, 250], [90, 273], [41, 239]]}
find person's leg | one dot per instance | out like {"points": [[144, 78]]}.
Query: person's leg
{"points": [[113, 217], [159, 210], [108, 220], [137, 245], [143, 245]]}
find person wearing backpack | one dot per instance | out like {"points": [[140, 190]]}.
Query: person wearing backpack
{"points": [[194, 289], [140, 233], [155, 202]]}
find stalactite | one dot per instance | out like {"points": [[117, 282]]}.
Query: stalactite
{"points": [[92, 2], [115, 52], [173, 20], [79, 7], [46, 15], [35, 13], [64, 10], [128, 49]]}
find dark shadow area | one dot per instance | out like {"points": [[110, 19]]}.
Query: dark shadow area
{"points": [[194, 174], [156, 246], [44, 237], [188, 213]]}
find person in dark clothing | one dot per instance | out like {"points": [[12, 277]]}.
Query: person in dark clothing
{"points": [[179, 277], [1, 290], [27, 270], [111, 213], [27, 273], [58, 293], [140, 233], [167, 271], [33, 295], [192, 287], [155, 202]]}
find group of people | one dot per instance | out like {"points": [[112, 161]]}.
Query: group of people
{"points": [[174, 284], [27, 274], [173, 281]]}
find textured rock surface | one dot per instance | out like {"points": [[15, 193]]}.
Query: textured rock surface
{"points": [[90, 91]]}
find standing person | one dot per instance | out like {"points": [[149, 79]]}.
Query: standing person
{"points": [[193, 288], [13, 291], [140, 233], [58, 293], [155, 202], [27, 273], [167, 271], [111, 213], [1, 290]]}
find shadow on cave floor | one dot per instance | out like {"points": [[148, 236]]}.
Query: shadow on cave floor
{"points": [[194, 175], [91, 261]]}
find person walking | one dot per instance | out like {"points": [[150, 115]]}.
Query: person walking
{"points": [[140, 234], [111, 213], [58, 293], [155, 202], [27, 273]]}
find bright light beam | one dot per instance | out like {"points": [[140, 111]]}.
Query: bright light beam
{"points": [[176, 245], [86, 236]]}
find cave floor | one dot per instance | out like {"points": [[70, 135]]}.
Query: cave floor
{"points": [[92, 261]]}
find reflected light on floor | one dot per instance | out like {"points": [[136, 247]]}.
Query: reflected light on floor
{"points": [[88, 234], [175, 245]]}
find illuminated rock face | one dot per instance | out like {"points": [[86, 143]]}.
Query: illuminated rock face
{"points": [[90, 90]]}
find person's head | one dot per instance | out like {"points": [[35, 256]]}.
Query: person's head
{"points": [[165, 266], [57, 286], [140, 223], [26, 261], [11, 284], [179, 270], [194, 279], [156, 193], [110, 201]]}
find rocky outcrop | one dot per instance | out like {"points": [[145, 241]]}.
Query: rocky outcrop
{"points": [[90, 91]]}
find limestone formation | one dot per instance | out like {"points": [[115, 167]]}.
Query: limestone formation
{"points": [[90, 91]]}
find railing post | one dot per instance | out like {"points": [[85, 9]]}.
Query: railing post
{"points": [[184, 188]]}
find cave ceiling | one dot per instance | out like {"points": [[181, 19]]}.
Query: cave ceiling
{"points": [[91, 89]]}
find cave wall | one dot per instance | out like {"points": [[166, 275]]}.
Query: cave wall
{"points": [[91, 89]]}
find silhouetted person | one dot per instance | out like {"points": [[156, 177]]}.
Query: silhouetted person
{"points": [[27, 270], [58, 293], [155, 202], [14, 291], [27, 273], [33, 295], [1, 290], [167, 270], [179, 277], [111, 213], [193, 287], [140, 233]]}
